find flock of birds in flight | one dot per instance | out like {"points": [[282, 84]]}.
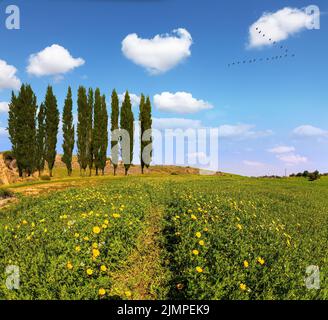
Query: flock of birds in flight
{"points": [[283, 54]]}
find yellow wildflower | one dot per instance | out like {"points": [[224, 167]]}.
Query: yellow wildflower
{"points": [[96, 230], [95, 253], [102, 292], [103, 268], [242, 287], [195, 252], [89, 272], [128, 293], [193, 217], [261, 261], [201, 242], [239, 226], [246, 264], [69, 265], [77, 248], [116, 215], [199, 269], [198, 234]]}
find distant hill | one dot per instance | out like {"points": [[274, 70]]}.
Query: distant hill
{"points": [[9, 173]]}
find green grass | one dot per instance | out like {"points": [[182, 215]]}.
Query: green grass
{"points": [[219, 238]]}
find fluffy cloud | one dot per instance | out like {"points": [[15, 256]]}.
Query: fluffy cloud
{"points": [[241, 131], [4, 107], [3, 132], [159, 54], [278, 26], [54, 61], [180, 102], [292, 159], [8, 78], [281, 149], [310, 131], [253, 163], [175, 123], [135, 99]]}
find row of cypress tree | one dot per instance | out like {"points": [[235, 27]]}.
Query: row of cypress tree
{"points": [[33, 130]]}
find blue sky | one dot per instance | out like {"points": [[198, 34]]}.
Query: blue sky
{"points": [[272, 115]]}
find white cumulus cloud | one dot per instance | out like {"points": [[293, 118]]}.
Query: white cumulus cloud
{"points": [[4, 107], [3, 131], [180, 102], [253, 163], [277, 26], [8, 78], [241, 131], [310, 131], [281, 149], [292, 159], [52, 61], [159, 54]]}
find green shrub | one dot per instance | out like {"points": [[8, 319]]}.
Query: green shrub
{"points": [[45, 178], [5, 193]]}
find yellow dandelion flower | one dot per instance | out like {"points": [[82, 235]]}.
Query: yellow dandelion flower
{"points": [[89, 272], [128, 294], [102, 292], [95, 245], [199, 269], [201, 242], [96, 230], [242, 287], [195, 252], [103, 268], [193, 217], [69, 265], [76, 235], [86, 238], [77, 248], [198, 234], [246, 264], [239, 226], [106, 222], [116, 215], [260, 261], [24, 222], [95, 253]]}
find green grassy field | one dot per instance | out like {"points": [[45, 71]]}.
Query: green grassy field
{"points": [[167, 237]]}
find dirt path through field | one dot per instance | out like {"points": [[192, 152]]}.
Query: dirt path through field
{"points": [[143, 275]]}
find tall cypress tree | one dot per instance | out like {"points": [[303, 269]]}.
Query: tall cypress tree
{"points": [[82, 128], [126, 123], [14, 130], [114, 126], [22, 129], [90, 130], [97, 133], [142, 130], [146, 138], [52, 122], [104, 135], [41, 139], [68, 132]]}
